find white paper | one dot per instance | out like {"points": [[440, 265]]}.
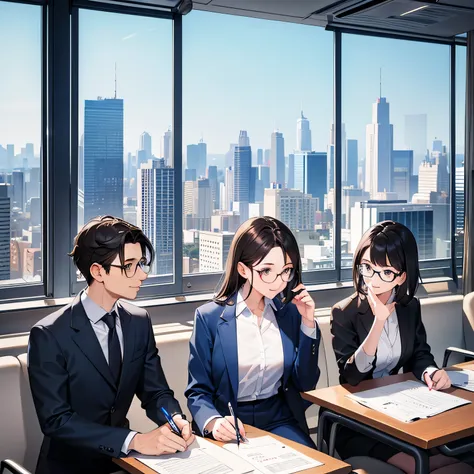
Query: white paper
{"points": [[269, 456], [408, 401], [202, 457], [459, 376]]}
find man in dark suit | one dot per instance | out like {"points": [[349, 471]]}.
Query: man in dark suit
{"points": [[87, 360]]}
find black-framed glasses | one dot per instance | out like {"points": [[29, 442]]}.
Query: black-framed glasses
{"points": [[130, 269], [267, 275], [388, 276]]}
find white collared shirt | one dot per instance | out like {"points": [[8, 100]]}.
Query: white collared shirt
{"points": [[95, 314]]}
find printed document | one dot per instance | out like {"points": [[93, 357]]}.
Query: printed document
{"points": [[462, 379], [269, 456], [202, 457], [408, 401]]}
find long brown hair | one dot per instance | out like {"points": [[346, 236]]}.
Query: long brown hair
{"points": [[251, 243]]}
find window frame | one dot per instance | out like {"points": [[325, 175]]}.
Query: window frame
{"points": [[60, 134]]}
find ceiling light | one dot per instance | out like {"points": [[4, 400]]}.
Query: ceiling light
{"points": [[415, 10]]}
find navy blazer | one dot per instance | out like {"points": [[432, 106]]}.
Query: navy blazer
{"points": [[81, 411], [213, 379]]}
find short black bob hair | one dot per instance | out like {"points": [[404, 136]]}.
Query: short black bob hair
{"points": [[102, 239], [396, 242], [251, 243]]}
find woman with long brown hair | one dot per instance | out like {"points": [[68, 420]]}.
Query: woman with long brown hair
{"points": [[255, 345]]}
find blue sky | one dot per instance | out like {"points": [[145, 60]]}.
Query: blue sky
{"points": [[239, 73]]}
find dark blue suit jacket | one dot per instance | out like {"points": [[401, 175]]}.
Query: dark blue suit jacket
{"points": [[81, 411], [213, 362]]}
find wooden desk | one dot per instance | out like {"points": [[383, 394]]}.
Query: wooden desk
{"points": [[428, 433], [330, 466]]}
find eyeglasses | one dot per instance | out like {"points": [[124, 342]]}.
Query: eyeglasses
{"points": [[267, 275], [385, 275], [130, 269]]}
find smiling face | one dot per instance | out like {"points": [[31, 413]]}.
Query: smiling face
{"points": [[123, 281], [270, 276], [380, 279]]}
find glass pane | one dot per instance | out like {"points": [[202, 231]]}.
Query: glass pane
{"points": [[257, 121], [125, 110], [20, 144], [460, 134], [396, 119]]}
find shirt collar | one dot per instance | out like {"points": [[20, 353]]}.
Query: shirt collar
{"points": [[241, 305], [93, 311]]}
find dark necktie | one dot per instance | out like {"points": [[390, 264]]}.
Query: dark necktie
{"points": [[115, 355]]}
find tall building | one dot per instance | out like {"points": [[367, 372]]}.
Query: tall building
{"points": [[166, 147], [420, 219], [212, 177], [5, 226], [229, 156], [290, 182], [277, 159], [202, 205], [197, 158], [241, 168], [266, 157], [332, 157], [379, 146], [103, 158], [437, 145], [145, 144], [190, 174], [433, 180], [260, 156], [18, 181], [229, 188], [416, 137], [213, 250], [311, 175], [295, 209], [253, 184], [155, 211], [350, 168], [303, 134], [459, 191], [402, 171]]}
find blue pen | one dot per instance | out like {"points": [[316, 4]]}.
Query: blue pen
{"points": [[171, 422]]}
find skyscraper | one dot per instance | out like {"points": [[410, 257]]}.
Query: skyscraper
{"points": [[166, 147], [350, 168], [241, 168], [145, 144], [155, 211], [303, 134], [277, 159], [212, 177], [311, 175], [416, 137], [229, 188], [291, 171], [402, 171], [103, 158], [18, 181], [379, 146], [331, 154], [197, 158], [253, 184], [260, 156], [4, 232]]}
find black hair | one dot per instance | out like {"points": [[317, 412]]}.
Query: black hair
{"points": [[102, 239], [395, 242], [251, 243]]}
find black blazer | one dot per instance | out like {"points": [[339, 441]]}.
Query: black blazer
{"points": [[81, 411], [351, 320]]}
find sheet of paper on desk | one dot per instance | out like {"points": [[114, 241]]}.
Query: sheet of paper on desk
{"points": [[202, 457], [462, 379], [408, 401], [269, 456]]}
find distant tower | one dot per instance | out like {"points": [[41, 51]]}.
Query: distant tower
{"points": [[303, 134]]}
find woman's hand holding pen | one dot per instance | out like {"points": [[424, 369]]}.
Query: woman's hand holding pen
{"points": [[223, 428], [438, 380], [305, 305]]}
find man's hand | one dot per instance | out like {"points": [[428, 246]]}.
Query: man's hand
{"points": [[185, 428], [159, 441], [223, 428]]}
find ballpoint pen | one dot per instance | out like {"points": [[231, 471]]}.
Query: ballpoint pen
{"points": [[173, 425], [236, 426]]}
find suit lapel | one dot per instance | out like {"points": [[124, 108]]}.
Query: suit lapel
{"points": [[227, 329], [366, 316], [128, 341], [403, 327], [85, 338], [285, 325]]}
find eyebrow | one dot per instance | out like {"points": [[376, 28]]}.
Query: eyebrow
{"points": [[132, 259]]}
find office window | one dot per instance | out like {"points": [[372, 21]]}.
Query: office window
{"points": [[460, 137], [396, 154], [257, 135], [125, 112], [20, 144]]}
